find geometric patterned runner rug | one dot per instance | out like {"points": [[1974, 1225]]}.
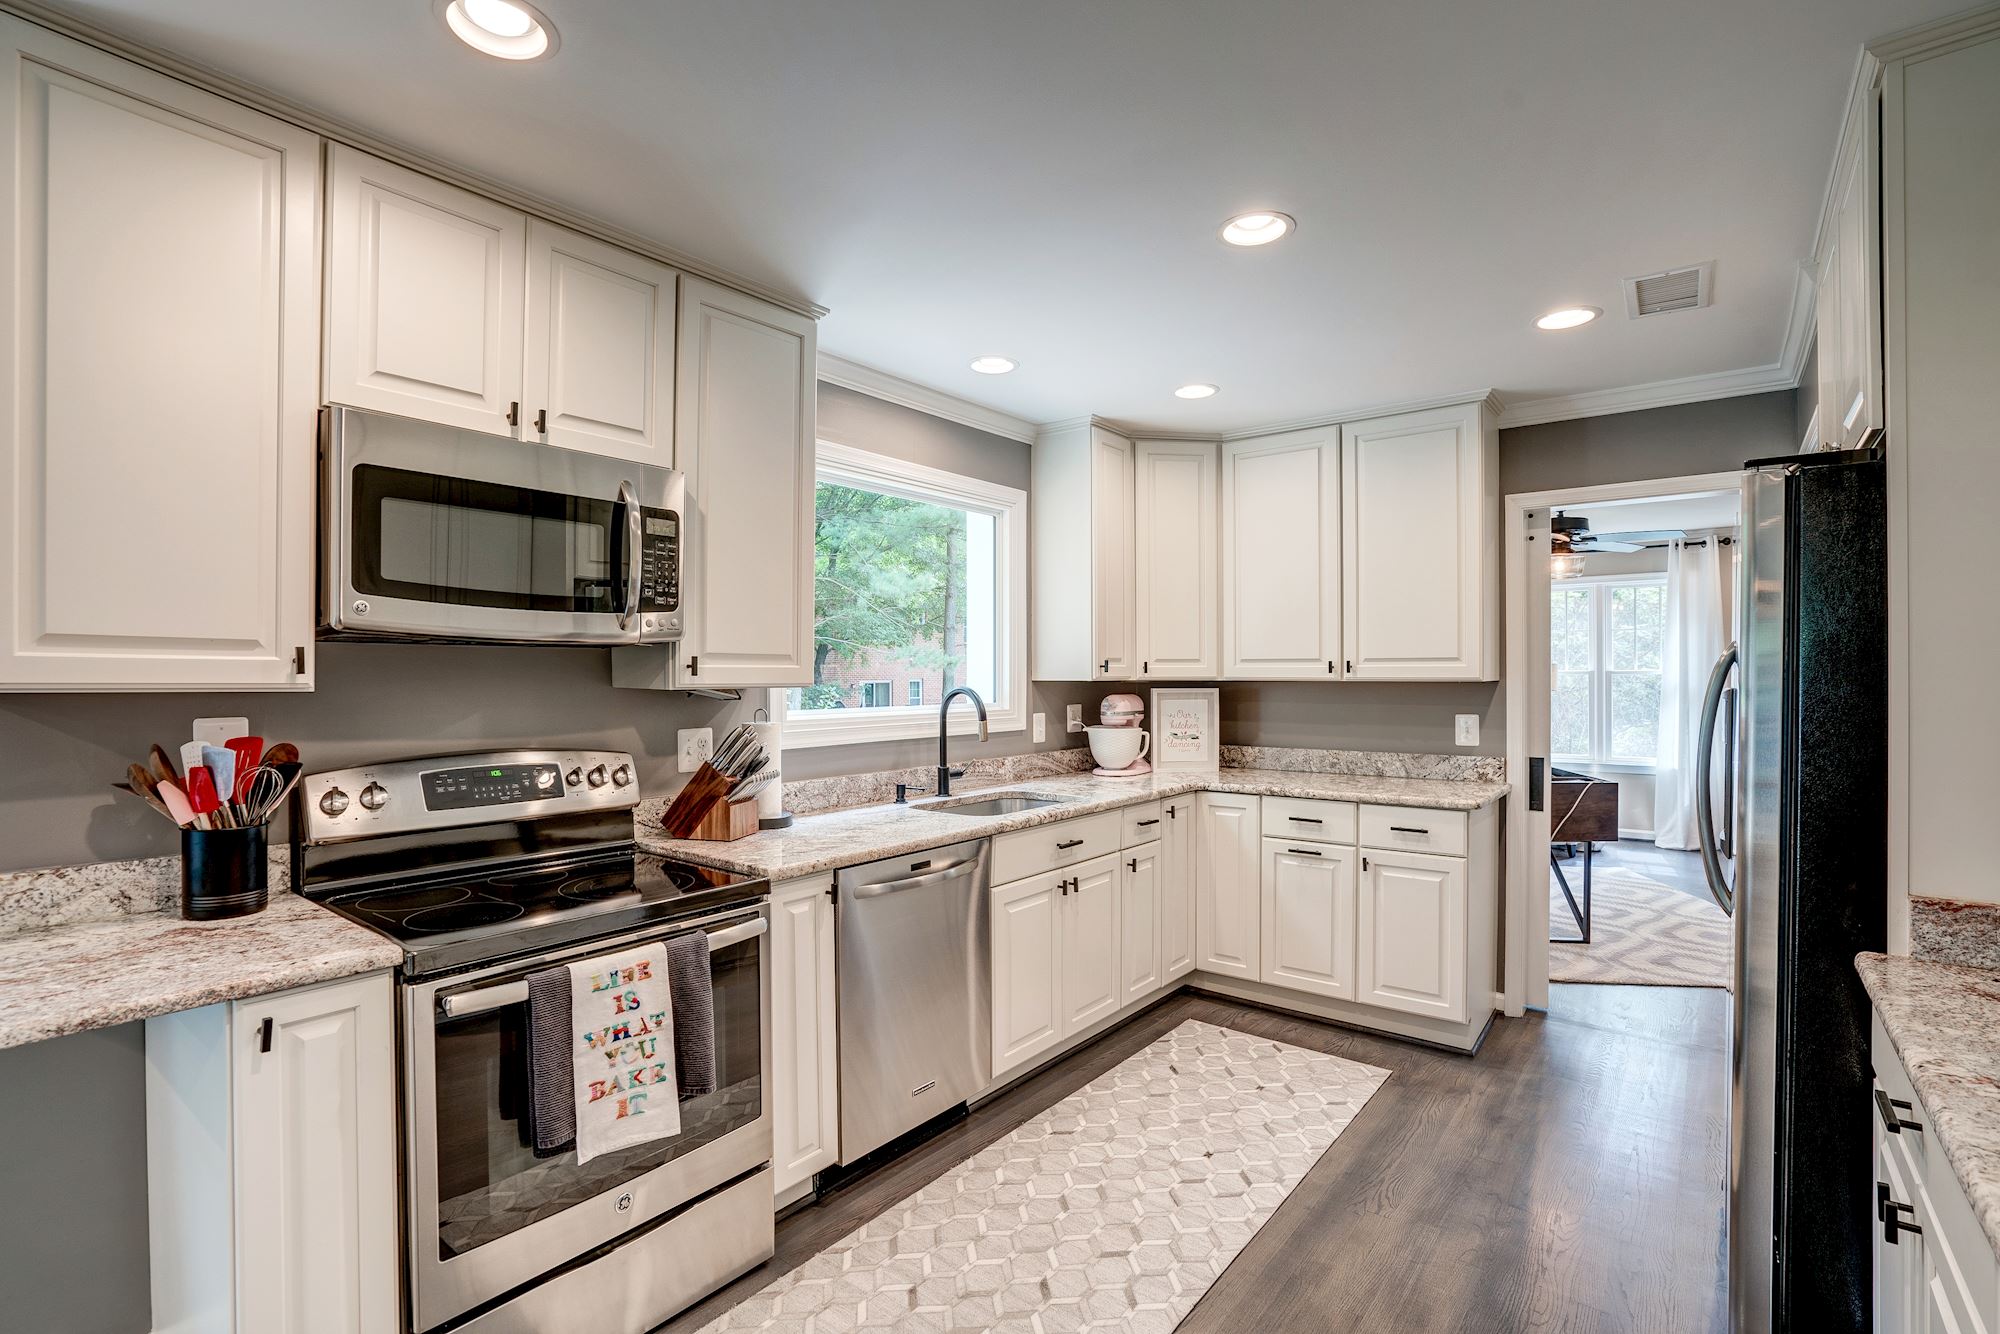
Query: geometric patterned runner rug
{"points": [[1116, 1209], [1647, 934]]}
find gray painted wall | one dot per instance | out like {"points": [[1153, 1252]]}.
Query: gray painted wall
{"points": [[1717, 436]]}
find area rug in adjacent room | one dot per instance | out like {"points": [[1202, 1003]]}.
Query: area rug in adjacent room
{"points": [[1114, 1209], [1645, 933]]}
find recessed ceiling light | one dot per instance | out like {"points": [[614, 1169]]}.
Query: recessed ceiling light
{"points": [[1569, 317], [507, 29], [994, 365], [1195, 391], [1247, 229]]}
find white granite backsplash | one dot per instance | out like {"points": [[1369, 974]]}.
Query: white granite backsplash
{"points": [[1368, 763], [810, 796], [102, 891], [1955, 931]]}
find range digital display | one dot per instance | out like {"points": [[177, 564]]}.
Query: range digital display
{"points": [[490, 785]]}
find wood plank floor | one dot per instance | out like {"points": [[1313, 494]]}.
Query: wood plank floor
{"points": [[1568, 1178]]}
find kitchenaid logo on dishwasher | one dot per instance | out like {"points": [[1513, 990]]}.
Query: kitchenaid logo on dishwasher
{"points": [[922, 1089]]}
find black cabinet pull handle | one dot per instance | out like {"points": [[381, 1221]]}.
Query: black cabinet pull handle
{"points": [[542, 421], [1891, 1122], [1364, 863], [264, 1034], [1131, 863], [1072, 843], [514, 413], [1105, 667], [1143, 823], [1305, 819], [1171, 815], [1306, 852], [1406, 829], [1892, 1223]]}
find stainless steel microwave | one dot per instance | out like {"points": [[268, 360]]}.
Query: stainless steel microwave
{"points": [[432, 532]]}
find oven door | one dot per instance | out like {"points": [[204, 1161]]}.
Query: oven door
{"points": [[435, 532], [485, 1214]]}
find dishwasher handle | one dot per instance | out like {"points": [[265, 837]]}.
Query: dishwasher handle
{"points": [[946, 872]]}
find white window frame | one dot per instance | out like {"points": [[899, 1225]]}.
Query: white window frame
{"points": [[1600, 693], [848, 465]]}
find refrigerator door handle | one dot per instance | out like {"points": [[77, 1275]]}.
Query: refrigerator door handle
{"points": [[1704, 797]]}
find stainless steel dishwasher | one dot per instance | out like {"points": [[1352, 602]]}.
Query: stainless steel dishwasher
{"points": [[915, 989]]}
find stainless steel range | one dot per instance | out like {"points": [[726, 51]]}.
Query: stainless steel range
{"points": [[488, 868]]}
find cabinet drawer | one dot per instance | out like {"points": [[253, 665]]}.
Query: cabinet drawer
{"points": [[1414, 829], [1312, 821], [1029, 852], [1895, 1084], [1141, 824]]}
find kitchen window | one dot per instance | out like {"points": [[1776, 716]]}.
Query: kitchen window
{"points": [[919, 576], [1605, 640]]}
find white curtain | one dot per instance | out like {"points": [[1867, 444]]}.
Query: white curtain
{"points": [[1697, 632]]}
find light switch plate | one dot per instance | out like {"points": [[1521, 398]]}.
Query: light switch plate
{"points": [[1467, 729], [696, 745], [1076, 717], [1041, 727]]}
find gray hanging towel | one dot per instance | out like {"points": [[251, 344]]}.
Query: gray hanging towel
{"points": [[551, 1056], [694, 1013]]}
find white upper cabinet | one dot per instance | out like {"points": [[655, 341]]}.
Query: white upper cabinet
{"points": [[600, 347], [424, 309], [159, 339], [1419, 527], [745, 413], [1281, 556], [1850, 286], [1082, 547], [1176, 526]]}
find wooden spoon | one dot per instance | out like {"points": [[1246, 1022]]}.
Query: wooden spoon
{"points": [[142, 785], [163, 767], [282, 753]]}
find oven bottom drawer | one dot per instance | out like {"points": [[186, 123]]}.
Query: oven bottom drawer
{"points": [[646, 1279]]}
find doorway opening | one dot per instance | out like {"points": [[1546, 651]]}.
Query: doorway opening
{"points": [[1620, 599]]}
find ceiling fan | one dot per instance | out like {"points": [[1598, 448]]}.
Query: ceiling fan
{"points": [[1568, 536]]}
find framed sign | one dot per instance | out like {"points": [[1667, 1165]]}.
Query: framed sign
{"points": [[1187, 726]]}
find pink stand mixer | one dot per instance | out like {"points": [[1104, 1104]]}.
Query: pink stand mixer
{"points": [[1119, 743]]}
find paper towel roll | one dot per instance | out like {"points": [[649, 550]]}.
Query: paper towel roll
{"points": [[771, 801]]}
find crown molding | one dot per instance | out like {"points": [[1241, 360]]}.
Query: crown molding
{"points": [[328, 126], [895, 389], [1638, 397], [1801, 323], [1929, 39]]}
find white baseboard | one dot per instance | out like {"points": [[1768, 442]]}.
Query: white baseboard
{"points": [[1643, 835]]}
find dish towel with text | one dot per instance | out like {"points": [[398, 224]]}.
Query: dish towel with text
{"points": [[622, 1015]]}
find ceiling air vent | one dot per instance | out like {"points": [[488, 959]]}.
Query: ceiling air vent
{"points": [[1662, 293]]}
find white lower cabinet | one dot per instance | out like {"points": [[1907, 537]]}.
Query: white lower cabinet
{"points": [[1026, 923], [271, 1163], [1177, 887], [1411, 930], [1139, 922], [1090, 929], [1309, 917], [805, 1097], [1228, 853]]}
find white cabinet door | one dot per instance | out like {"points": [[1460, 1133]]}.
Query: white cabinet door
{"points": [[1850, 295], [159, 342], [1177, 887], [1228, 897], [1026, 918], [1139, 922], [599, 375], [423, 297], [743, 433], [1111, 577], [1309, 917], [1900, 1289], [1410, 933], [1420, 510], [1090, 931], [1176, 519], [1281, 556], [804, 1071], [315, 1163]]}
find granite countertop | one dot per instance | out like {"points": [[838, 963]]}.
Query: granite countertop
{"points": [[1944, 1021], [85, 975], [864, 833]]}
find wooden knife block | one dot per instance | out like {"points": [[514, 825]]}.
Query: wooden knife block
{"points": [[725, 823]]}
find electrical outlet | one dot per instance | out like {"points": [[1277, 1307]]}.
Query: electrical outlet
{"points": [[697, 744], [1041, 727], [1467, 729], [1076, 717]]}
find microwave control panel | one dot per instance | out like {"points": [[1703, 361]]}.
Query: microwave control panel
{"points": [[659, 560]]}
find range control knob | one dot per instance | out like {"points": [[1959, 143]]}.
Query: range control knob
{"points": [[573, 777], [374, 797], [545, 778], [621, 776], [333, 801], [595, 777]]}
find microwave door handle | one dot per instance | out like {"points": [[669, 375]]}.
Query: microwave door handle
{"points": [[628, 500]]}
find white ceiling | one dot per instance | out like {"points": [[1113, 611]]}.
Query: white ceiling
{"points": [[1044, 178], [1690, 513]]}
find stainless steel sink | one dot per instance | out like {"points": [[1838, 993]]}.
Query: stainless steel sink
{"points": [[1005, 803]]}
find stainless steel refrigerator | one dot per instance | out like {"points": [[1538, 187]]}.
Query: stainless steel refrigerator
{"points": [[1809, 823]]}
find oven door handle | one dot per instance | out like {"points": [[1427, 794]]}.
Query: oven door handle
{"points": [[462, 1003], [628, 500]]}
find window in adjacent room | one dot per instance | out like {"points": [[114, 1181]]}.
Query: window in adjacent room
{"points": [[1605, 640], [919, 576]]}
